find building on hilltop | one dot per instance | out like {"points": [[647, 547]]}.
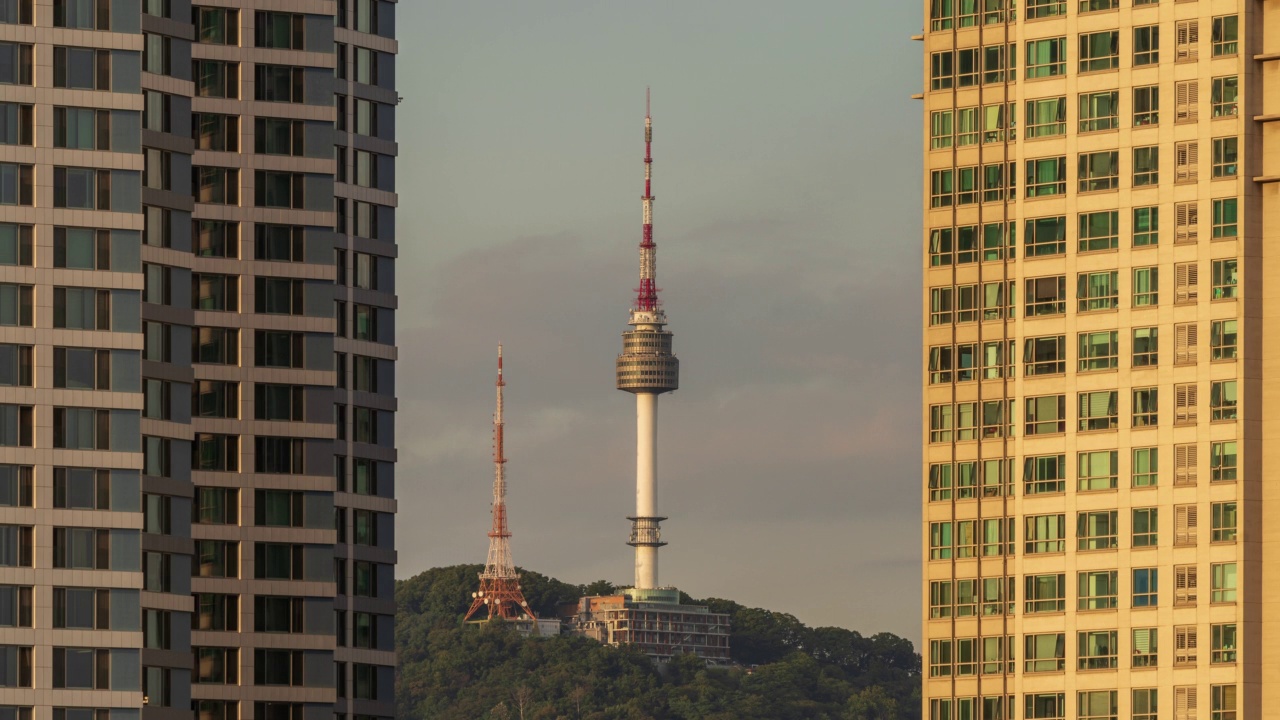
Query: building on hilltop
{"points": [[649, 616]]}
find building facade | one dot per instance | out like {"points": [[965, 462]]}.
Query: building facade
{"points": [[197, 359], [1094, 264]]}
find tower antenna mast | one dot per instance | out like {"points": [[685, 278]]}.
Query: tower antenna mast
{"points": [[499, 594]]}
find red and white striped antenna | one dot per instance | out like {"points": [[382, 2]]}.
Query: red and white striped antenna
{"points": [[647, 293]]}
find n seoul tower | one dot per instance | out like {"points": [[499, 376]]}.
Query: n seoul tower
{"points": [[647, 368]]}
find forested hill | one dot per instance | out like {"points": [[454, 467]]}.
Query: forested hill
{"points": [[451, 672]]}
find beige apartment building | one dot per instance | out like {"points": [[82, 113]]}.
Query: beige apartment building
{"points": [[1096, 535], [197, 359]]}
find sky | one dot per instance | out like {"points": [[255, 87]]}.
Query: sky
{"points": [[787, 176]]}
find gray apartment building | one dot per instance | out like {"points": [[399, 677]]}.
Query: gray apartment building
{"points": [[197, 359]]}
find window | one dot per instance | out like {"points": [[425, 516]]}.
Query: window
{"points": [[216, 78], [1225, 157], [282, 31], [1099, 51], [1097, 291], [1187, 41], [1046, 117], [1223, 699], [216, 132], [81, 428], [15, 426], [1146, 106], [1145, 654], [1099, 111], [1097, 470], [155, 53], [1045, 474], [1185, 463], [1096, 530], [1222, 651], [1099, 171], [215, 346], [82, 668], [1185, 525], [1099, 350], [216, 506], [1046, 415], [1225, 279], [80, 68], [1222, 461], [1097, 410], [15, 365], [1047, 176], [76, 128], [1225, 96], [282, 243], [1186, 344], [1146, 166], [280, 296], [1097, 651], [215, 292], [16, 12], [1096, 590], [216, 185], [216, 665], [1223, 588], [1145, 527], [15, 546], [216, 238], [1046, 534], [217, 26], [1146, 407], [215, 399], [215, 452], [82, 488], [1186, 162], [81, 368], [15, 64], [1146, 587], [1098, 704], [278, 136], [941, 541], [1186, 102], [1046, 58], [81, 188], [278, 83], [1146, 287], [1226, 35], [1186, 279], [278, 455], [1222, 400], [1045, 706], [1045, 355], [1222, 340], [277, 561], [1099, 231], [1146, 45], [216, 612], [1145, 467], [1224, 522], [278, 189], [158, 285], [1046, 236], [1046, 593], [942, 184], [1185, 586], [1225, 223], [1146, 226], [1046, 296], [1045, 653], [998, 302], [217, 558], [16, 486]]}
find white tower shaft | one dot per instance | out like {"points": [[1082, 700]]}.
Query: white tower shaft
{"points": [[646, 484]]}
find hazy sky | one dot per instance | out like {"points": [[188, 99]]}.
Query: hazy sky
{"points": [[787, 219]]}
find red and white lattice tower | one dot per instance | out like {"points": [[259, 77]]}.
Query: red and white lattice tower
{"points": [[647, 368], [499, 594]]}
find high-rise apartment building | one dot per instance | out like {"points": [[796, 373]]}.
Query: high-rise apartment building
{"points": [[1095, 501], [197, 359]]}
